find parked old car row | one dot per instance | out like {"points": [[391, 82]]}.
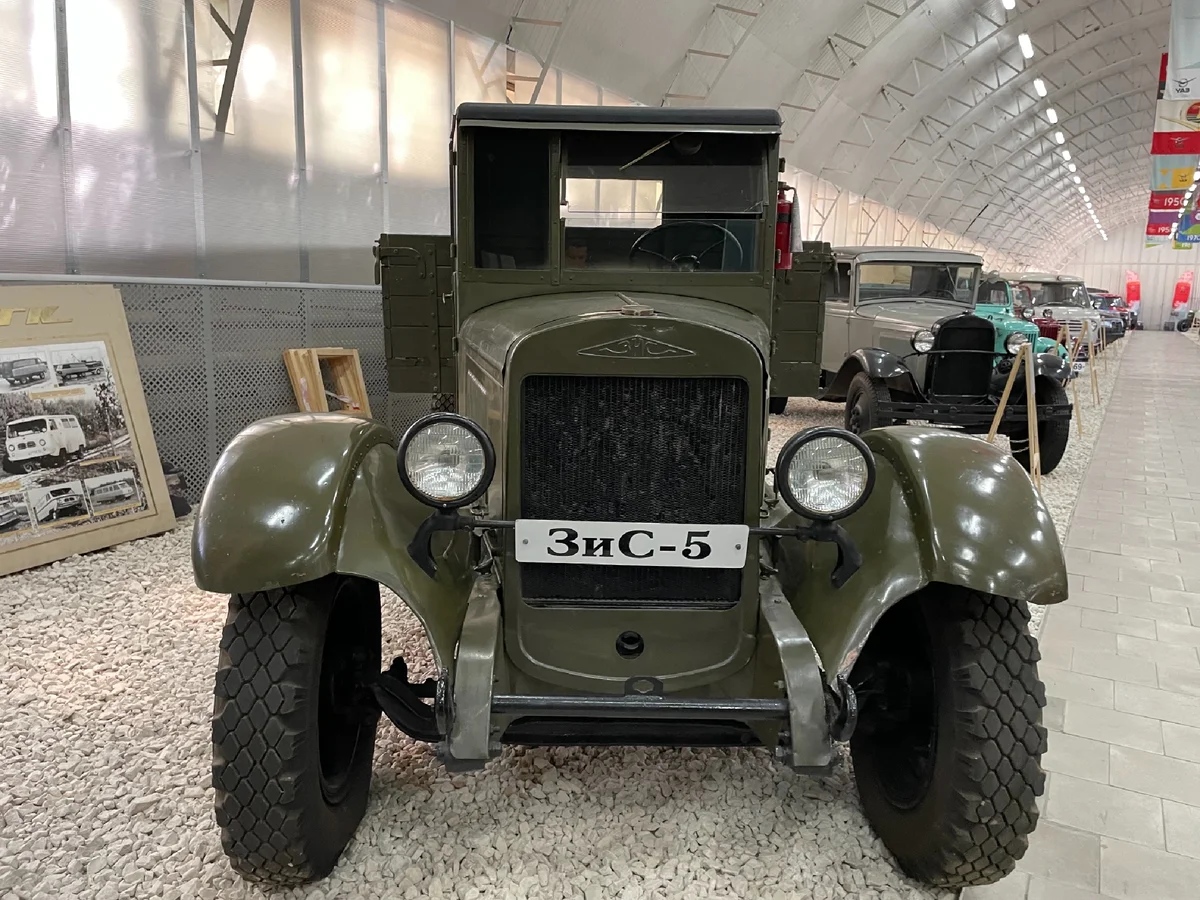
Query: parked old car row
{"points": [[924, 335]]}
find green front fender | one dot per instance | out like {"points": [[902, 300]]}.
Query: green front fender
{"points": [[296, 497], [946, 509]]}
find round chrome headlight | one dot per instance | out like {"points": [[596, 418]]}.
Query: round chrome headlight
{"points": [[446, 460], [1014, 342], [1027, 313], [825, 473], [922, 341], [1046, 313]]}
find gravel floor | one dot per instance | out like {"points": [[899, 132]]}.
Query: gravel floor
{"points": [[105, 696]]}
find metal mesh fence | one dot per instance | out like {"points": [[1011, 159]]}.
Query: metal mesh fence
{"points": [[211, 359]]}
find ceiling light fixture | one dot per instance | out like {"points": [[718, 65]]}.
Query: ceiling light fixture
{"points": [[1009, 4], [1060, 138], [1067, 155], [1078, 180], [1026, 45], [1040, 87], [1052, 115], [1070, 167]]}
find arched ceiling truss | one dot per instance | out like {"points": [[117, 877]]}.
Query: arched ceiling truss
{"points": [[928, 106]]}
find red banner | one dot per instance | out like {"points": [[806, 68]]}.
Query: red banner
{"points": [[1166, 201], [1176, 128], [1133, 289], [1183, 291], [1159, 229]]}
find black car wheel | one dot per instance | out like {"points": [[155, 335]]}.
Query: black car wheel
{"points": [[947, 752], [863, 401], [1053, 435], [777, 405], [294, 726]]}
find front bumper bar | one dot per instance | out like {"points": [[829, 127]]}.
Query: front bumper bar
{"points": [[974, 417]]}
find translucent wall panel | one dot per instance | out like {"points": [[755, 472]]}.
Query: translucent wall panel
{"points": [[130, 201], [479, 69], [419, 117], [342, 214], [251, 200], [577, 92], [31, 211]]}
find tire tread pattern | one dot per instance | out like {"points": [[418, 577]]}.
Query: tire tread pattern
{"points": [[998, 774], [259, 729]]}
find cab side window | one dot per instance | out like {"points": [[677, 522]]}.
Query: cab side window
{"points": [[53, 425], [837, 282], [512, 198]]}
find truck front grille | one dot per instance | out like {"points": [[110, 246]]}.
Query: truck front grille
{"points": [[961, 375], [633, 449]]}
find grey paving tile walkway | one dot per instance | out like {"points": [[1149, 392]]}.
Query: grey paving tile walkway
{"points": [[1121, 659]]}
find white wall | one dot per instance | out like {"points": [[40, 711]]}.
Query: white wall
{"points": [[844, 219], [1103, 264]]}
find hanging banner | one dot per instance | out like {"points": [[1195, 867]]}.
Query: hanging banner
{"points": [[1161, 223], [1166, 201], [1157, 240], [1172, 173], [1133, 290], [1176, 127], [1183, 56]]}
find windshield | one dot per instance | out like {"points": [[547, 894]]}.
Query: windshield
{"points": [[903, 281], [667, 202], [1057, 293], [60, 492], [31, 426]]}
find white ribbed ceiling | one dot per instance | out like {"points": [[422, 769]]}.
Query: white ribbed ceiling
{"points": [[926, 105]]}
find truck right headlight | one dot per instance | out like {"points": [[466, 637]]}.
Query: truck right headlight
{"points": [[825, 473], [446, 460]]}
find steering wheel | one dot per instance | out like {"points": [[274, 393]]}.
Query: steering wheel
{"points": [[692, 261]]}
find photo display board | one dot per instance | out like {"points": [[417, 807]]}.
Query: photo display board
{"points": [[79, 470]]}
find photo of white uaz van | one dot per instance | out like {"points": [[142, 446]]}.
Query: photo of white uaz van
{"points": [[108, 490], [39, 441]]}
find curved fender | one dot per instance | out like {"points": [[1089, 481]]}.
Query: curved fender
{"points": [[296, 497], [946, 509], [1052, 366], [882, 364]]}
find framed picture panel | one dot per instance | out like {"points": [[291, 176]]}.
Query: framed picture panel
{"points": [[80, 469]]}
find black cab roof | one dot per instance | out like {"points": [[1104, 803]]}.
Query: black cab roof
{"points": [[648, 118]]}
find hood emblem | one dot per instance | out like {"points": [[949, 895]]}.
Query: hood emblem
{"points": [[637, 347]]}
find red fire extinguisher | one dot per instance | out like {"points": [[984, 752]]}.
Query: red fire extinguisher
{"points": [[783, 225]]}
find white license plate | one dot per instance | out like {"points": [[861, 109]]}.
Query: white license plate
{"points": [[632, 544], [1078, 366]]}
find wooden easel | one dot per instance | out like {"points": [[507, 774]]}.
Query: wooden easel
{"points": [[349, 388], [1064, 338], [1024, 358]]}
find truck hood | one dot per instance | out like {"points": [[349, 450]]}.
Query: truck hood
{"points": [[911, 314], [495, 330]]}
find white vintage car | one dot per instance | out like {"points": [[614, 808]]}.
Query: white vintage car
{"points": [[1061, 297]]}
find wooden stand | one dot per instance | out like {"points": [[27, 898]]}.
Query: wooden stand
{"points": [[1024, 359], [304, 370]]}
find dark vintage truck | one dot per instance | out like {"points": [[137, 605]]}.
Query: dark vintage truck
{"points": [[595, 541], [20, 372]]}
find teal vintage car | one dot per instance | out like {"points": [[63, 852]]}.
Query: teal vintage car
{"points": [[994, 302]]}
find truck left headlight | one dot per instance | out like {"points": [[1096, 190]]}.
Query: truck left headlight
{"points": [[446, 460], [1014, 342], [1027, 313], [825, 473]]}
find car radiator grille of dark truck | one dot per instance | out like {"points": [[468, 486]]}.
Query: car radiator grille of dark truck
{"points": [[954, 376], [633, 449]]}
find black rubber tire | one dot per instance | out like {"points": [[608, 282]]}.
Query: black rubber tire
{"points": [[1053, 436], [977, 808], [862, 403], [777, 405], [278, 823]]}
